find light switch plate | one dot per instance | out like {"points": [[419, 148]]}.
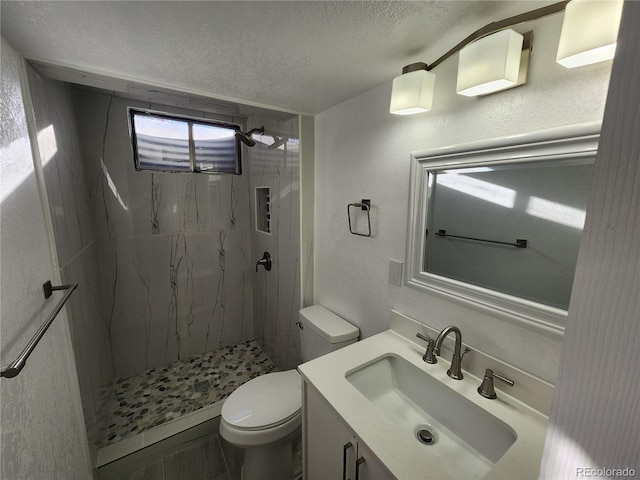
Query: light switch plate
{"points": [[395, 272]]}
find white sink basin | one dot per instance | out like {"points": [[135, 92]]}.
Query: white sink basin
{"points": [[468, 439]]}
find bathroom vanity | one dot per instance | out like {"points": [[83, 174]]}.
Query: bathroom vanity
{"points": [[333, 449], [376, 410]]}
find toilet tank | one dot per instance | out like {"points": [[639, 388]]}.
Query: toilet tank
{"points": [[322, 331]]}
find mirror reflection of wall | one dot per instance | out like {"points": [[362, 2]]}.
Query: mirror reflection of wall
{"points": [[543, 203]]}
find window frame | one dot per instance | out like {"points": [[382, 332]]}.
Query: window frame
{"points": [[190, 121]]}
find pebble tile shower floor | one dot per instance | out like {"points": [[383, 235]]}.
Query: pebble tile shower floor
{"points": [[162, 394]]}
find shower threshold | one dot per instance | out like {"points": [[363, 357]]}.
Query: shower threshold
{"points": [[164, 401]]}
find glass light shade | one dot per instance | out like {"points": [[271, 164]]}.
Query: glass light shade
{"points": [[412, 92], [490, 64], [589, 32]]}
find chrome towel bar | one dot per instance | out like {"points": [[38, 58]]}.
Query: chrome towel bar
{"points": [[16, 367]]}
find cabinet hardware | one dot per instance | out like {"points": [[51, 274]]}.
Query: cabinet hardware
{"points": [[359, 462], [346, 447]]}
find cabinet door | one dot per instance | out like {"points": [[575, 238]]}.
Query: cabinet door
{"points": [[369, 467], [329, 446]]}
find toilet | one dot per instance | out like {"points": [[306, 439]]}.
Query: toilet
{"points": [[264, 415]]}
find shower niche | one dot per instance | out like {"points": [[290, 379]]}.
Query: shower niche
{"points": [[263, 209]]}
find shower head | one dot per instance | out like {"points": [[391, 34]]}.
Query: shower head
{"points": [[246, 137], [277, 142]]}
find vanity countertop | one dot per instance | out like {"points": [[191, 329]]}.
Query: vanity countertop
{"points": [[401, 453]]}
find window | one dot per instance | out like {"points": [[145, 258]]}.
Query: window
{"points": [[170, 143]]}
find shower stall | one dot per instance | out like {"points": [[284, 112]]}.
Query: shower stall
{"points": [[171, 313]]}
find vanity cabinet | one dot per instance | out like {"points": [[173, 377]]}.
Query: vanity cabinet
{"points": [[331, 449]]}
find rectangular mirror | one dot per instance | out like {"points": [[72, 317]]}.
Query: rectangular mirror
{"points": [[497, 224]]}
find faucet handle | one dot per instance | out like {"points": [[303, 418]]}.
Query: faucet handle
{"points": [[486, 388], [429, 356]]}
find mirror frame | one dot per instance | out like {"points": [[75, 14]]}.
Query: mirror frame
{"points": [[562, 143]]}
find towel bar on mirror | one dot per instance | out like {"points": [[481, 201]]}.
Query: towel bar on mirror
{"points": [[520, 242]]}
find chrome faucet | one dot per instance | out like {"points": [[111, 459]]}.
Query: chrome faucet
{"points": [[455, 371]]}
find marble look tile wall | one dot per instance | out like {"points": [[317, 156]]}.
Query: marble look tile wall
{"points": [[276, 294], [76, 247], [307, 203], [175, 248]]}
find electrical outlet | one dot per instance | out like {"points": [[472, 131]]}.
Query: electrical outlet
{"points": [[395, 272]]}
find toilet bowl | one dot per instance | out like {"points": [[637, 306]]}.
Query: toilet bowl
{"points": [[264, 415], [263, 410]]}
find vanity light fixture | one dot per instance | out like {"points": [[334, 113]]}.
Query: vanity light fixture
{"points": [[492, 64], [495, 57], [412, 92], [589, 32]]}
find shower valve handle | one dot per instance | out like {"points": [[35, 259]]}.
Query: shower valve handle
{"points": [[265, 261]]}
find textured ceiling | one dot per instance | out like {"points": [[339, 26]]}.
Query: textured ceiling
{"points": [[298, 56]]}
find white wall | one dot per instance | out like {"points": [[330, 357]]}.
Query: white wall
{"points": [[363, 152], [43, 434], [595, 416]]}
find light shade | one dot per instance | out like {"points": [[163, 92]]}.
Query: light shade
{"points": [[589, 32], [490, 64], [412, 92]]}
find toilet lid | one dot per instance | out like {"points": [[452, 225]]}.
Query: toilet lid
{"points": [[265, 401]]}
